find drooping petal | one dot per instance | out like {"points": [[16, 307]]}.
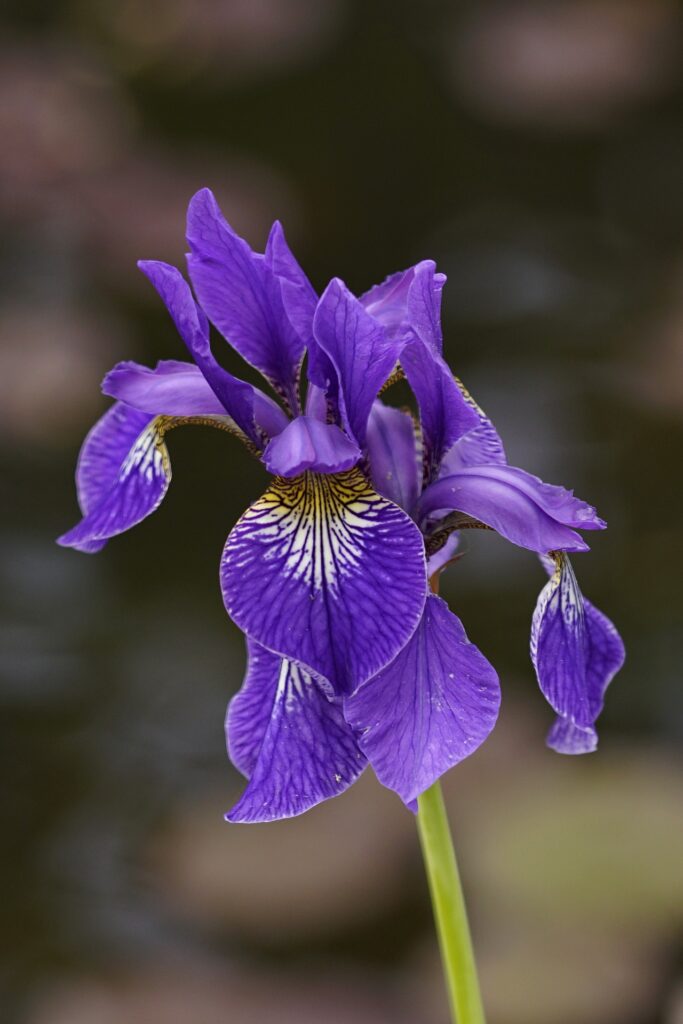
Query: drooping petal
{"points": [[445, 413], [122, 476], [236, 396], [361, 352], [240, 290], [410, 301], [516, 504], [427, 710], [307, 443], [566, 737], [289, 739], [326, 572], [393, 455], [576, 652]]}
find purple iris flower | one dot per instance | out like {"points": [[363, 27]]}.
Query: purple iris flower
{"points": [[451, 476], [351, 659]]}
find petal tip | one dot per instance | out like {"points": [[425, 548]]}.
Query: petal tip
{"points": [[85, 546], [566, 737], [202, 197]]}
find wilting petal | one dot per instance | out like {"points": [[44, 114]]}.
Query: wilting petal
{"points": [[122, 476], [427, 710], [516, 504], [326, 572], [236, 396], [307, 443], [392, 455], [241, 293], [361, 352], [410, 301], [289, 739], [576, 652], [445, 413]]}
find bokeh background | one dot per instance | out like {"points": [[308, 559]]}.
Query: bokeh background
{"points": [[535, 150]]}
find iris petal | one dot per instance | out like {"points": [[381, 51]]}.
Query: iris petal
{"points": [[408, 305], [298, 295], [236, 396], [427, 710], [481, 446], [576, 652], [445, 413], [327, 573], [122, 476], [410, 302], [308, 443], [388, 301], [172, 388], [440, 559], [241, 292], [289, 739], [516, 504], [393, 455], [362, 353]]}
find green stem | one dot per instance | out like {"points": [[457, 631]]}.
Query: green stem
{"points": [[450, 914]]}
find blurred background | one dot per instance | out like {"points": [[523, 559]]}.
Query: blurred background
{"points": [[535, 150]]}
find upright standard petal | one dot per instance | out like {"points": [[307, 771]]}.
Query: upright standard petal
{"points": [[393, 455], [408, 305], [445, 413], [362, 353], [289, 739], [519, 506], [242, 294], [327, 573], [410, 302], [388, 301], [576, 652], [427, 710], [298, 295], [236, 396], [308, 443], [122, 476]]}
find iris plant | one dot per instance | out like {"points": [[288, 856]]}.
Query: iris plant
{"points": [[351, 658]]}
